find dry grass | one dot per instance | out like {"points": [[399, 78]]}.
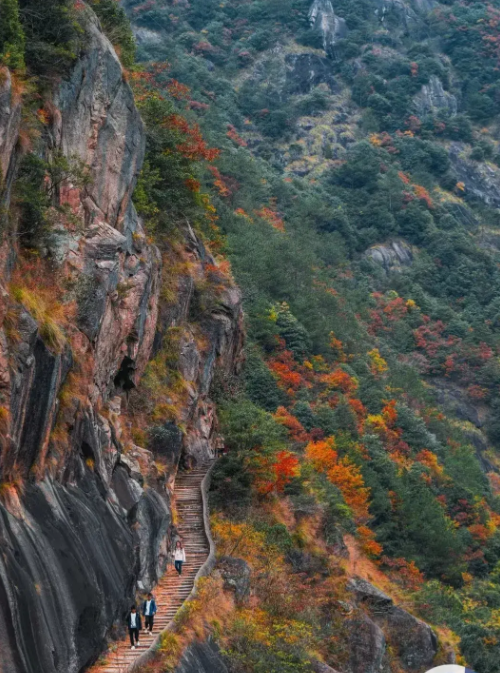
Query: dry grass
{"points": [[163, 389], [207, 613], [34, 286], [4, 421], [11, 325]]}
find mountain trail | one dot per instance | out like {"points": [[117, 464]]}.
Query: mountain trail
{"points": [[172, 590]]}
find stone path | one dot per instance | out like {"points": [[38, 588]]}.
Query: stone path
{"points": [[172, 590]]}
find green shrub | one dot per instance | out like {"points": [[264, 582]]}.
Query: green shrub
{"points": [[117, 27], [12, 40], [52, 35]]}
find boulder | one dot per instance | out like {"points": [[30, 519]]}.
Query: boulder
{"points": [[202, 658], [304, 562], [481, 180], [393, 256], [306, 71], [236, 575], [366, 593], [433, 99], [330, 26], [414, 641], [366, 645], [320, 667]]}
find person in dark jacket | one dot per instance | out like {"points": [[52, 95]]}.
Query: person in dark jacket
{"points": [[134, 626], [149, 611]]}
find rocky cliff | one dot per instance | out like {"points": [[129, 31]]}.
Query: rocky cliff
{"points": [[84, 510]]}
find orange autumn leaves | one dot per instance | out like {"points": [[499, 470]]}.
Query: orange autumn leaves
{"points": [[347, 477], [271, 475], [342, 473]]}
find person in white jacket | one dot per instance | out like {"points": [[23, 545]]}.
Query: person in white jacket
{"points": [[179, 556]]}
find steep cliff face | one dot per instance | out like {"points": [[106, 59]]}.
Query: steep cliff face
{"points": [[84, 511]]}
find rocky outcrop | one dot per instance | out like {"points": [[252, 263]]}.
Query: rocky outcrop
{"points": [[377, 622], [456, 401], [433, 99], [393, 256], [84, 511], [481, 180], [202, 658], [320, 667], [331, 27], [74, 511], [306, 71], [366, 644], [10, 119], [407, 12], [404, 12], [236, 575]]}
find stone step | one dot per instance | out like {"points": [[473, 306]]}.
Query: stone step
{"points": [[172, 590]]}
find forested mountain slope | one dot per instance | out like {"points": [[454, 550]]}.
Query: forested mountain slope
{"points": [[358, 193], [332, 168]]}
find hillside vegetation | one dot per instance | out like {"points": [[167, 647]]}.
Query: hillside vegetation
{"points": [[357, 191], [341, 162]]}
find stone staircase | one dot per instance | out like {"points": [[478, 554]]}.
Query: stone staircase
{"points": [[172, 590]]}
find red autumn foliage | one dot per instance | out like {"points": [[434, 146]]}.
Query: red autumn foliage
{"points": [[292, 424], [423, 195], [285, 469], [194, 147], [233, 135], [368, 543], [219, 182], [286, 370], [339, 380], [271, 217], [403, 572]]}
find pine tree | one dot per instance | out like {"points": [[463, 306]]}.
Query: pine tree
{"points": [[12, 39]]}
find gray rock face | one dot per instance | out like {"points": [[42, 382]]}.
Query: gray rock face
{"points": [[91, 525], [10, 119], [70, 561], [392, 256], [202, 658], [403, 10], [147, 37], [320, 667], [306, 71], [324, 20], [408, 12], [433, 99], [425, 6], [455, 399], [303, 562], [414, 642], [236, 575], [369, 595], [100, 125], [367, 645], [481, 180]]}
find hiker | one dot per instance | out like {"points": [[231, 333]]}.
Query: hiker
{"points": [[179, 556], [134, 626], [149, 611]]}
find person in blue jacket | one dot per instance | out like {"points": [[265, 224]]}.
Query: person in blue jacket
{"points": [[149, 611]]}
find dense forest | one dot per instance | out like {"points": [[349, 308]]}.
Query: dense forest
{"points": [[357, 196], [342, 162]]}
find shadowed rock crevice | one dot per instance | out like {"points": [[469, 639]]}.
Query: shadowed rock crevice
{"points": [[124, 379]]}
